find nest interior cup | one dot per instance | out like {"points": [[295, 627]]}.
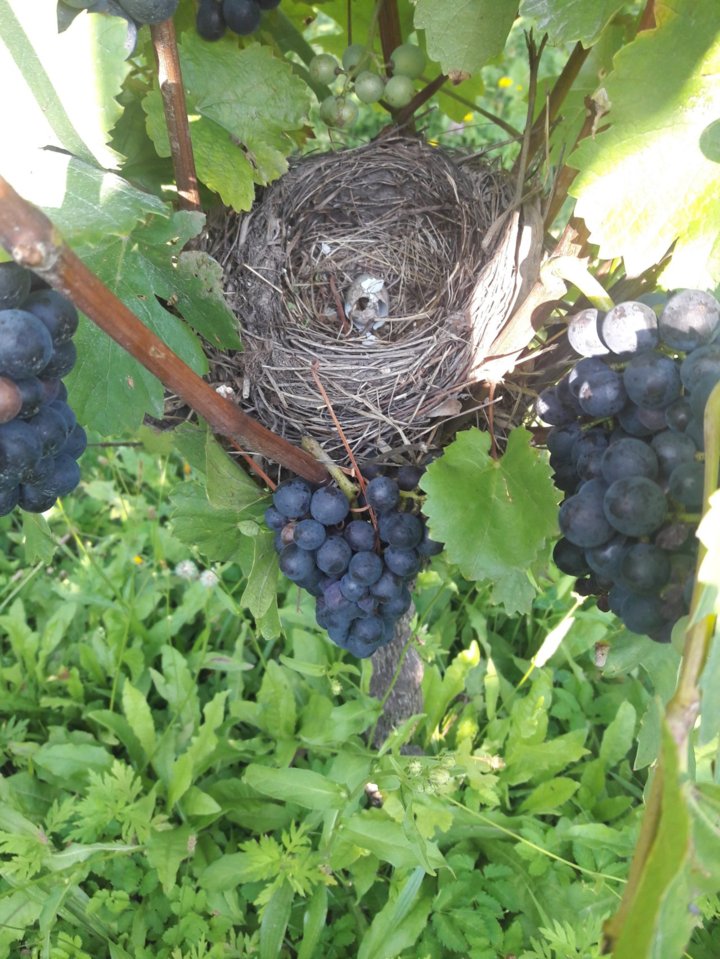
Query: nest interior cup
{"points": [[358, 280]]}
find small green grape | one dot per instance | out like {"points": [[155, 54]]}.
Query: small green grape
{"points": [[399, 91], [323, 68], [369, 86], [354, 57], [338, 111], [408, 60]]}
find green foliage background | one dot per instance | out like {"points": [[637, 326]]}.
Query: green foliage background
{"points": [[184, 756]]}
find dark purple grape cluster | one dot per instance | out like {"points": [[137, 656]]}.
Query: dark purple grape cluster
{"points": [[358, 563], [40, 439], [241, 16], [626, 446]]}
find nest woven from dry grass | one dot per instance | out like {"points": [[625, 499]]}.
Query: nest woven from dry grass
{"points": [[430, 236]]}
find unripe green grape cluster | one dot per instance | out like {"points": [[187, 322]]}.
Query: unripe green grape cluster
{"points": [[361, 81]]}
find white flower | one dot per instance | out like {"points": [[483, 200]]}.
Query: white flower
{"points": [[186, 569], [208, 578]]}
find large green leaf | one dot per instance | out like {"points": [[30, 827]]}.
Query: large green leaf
{"points": [[302, 786], [494, 515], [245, 104], [59, 89], [568, 20], [646, 183], [474, 33]]}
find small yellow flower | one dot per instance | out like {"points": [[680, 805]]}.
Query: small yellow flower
{"points": [[138, 560], [187, 469], [433, 143], [519, 86], [505, 82], [467, 118]]}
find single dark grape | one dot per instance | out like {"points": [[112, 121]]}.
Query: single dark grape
{"points": [[67, 474], [408, 477], [62, 360], [15, 284], [56, 311], [334, 555], [360, 535], [399, 604], [560, 440], [642, 614], [589, 465], [292, 498], [274, 519], [602, 393], [32, 394], [25, 344], [630, 328], [551, 409], [584, 333], [617, 597], [403, 562], [366, 567], [401, 529], [582, 521], [242, 16], [36, 499], [296, 563], [630, 421], [66, 412], [309, 534], [329, 505], [629, 457], [635, 506], [209, 21], [678, 414], [382, 493], [685, 484], [429, 546], [20, 449], [359, 647], [570, 558], [51, 429], [672, 449], [644, 569], [388, 586], [588, 442], [605, 560], [351, 588], [690, 319], [652, 380], [653, 419], [706, 359]]}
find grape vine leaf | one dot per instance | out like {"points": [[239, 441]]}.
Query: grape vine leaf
{"points": [[567, 21], [245, 105], [465, 41], [56, 98], [494, 515], [645, 183]]}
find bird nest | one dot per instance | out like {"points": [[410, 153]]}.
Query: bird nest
{"points": [[369, 285]]}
